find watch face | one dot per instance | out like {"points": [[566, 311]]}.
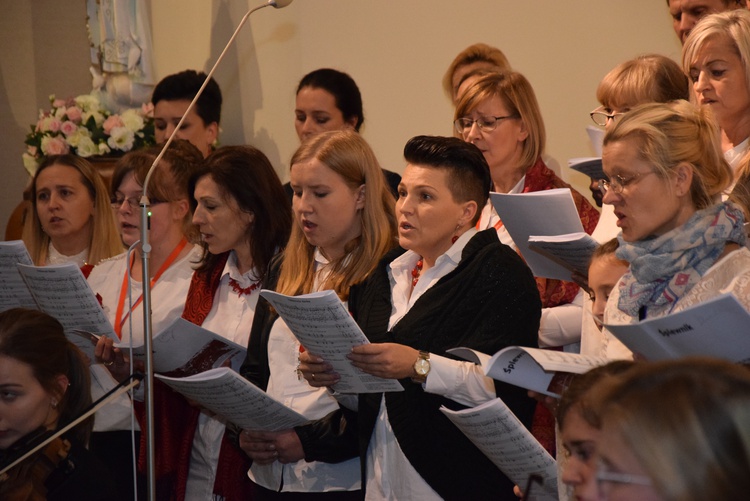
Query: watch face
{"points": [[422, 366]]}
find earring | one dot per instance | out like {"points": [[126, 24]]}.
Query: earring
{"points": [[54, 404], [455, 237]]}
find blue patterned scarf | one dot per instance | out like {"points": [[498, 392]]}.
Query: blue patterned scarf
{"points": [[664, 268]]}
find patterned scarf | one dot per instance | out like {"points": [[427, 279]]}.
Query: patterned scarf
{"points": [[664, 268]]}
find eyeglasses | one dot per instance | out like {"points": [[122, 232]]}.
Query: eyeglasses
{"points": [[601, 117], [618, 183], [605, 477], [133, 202], [485, 124]]}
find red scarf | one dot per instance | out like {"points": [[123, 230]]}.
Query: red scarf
{"points": [[539, 178], [176, 420], [555, 292]]}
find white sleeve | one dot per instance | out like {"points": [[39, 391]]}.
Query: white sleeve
{"points": [[463, 382], [561, 325]]}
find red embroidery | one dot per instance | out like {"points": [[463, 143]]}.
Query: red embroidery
{"points": [[243, 291]]}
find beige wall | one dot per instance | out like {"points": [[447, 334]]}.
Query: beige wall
{"points": [[397, 52]]}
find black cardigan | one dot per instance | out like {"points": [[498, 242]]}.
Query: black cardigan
{"points": [[490, 301]]}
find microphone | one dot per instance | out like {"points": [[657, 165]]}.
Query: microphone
{"points": [[146, 250]]}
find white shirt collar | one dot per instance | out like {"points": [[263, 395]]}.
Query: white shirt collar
{"points": [[56, 257], [518, 188], [408, 259], [231, 269]]}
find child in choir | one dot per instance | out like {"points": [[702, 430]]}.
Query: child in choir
{"points": [[605, 271]]}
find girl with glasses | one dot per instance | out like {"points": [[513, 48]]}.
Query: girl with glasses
{"points": [[173, 255]]}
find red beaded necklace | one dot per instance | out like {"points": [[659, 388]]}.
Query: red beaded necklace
{"points": [[243, 290], [416, 272]]}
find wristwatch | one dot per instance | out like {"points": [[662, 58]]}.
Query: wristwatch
{"points": [[421, 367]]}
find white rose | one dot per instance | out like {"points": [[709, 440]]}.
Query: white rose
{"points": [[132, 120], [86, 147], [75, 138], [121, 139], [88, 103], [104, 149]]}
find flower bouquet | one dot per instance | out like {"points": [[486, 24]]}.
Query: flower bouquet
{"points": [[82, 126]]}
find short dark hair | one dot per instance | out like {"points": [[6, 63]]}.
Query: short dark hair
{"points": [[184, 86], [467, 168], [245, 174], [342, 87]]}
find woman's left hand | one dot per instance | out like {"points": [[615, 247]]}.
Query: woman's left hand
{"points": [[386, 360], [265, 447]]}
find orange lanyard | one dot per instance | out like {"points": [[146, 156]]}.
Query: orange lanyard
{"points": [[497, 225], [119, 319]]}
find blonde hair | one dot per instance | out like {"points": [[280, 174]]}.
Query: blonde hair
{"points": [[740, 194], [670, 134], [349, 156], [475, 53], [516, 93], [733, 25], [649, 78], [687, 422], [105, 239]]}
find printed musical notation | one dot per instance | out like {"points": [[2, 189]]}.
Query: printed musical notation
{"points": [[498, 433], [62, 292], [13, 290], [322, 324], [236, 399]]}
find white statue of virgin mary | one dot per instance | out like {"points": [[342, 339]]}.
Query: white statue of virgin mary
{"points": [[121, 55]]}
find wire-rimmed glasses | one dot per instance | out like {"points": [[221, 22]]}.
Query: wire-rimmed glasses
{"points": [[485, 124]]}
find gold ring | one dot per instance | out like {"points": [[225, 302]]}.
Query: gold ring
{"points": [[109, 364]]}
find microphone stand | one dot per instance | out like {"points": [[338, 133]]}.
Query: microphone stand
{"points": [[145, 204]]}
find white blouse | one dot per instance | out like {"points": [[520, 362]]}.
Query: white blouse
{"points": [[313, 403], [167, 302], [231, 316]]}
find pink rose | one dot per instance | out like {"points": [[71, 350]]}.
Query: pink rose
{"points": [[58, 103], [54, 125], [54, 146], [111, 122], [68, 128], [74, 114]]}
